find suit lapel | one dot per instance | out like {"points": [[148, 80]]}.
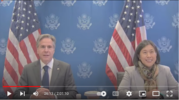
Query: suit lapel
{"points": [[139, 81], [161, 81], [55, 72], [37, 73]]}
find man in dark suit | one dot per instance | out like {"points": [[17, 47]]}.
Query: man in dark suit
{"points": [[54, 76]]}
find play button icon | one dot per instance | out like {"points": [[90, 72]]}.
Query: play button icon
{"points": [[8, 93]]}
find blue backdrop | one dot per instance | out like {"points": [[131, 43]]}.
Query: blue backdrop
{"points": [[81, 27]]}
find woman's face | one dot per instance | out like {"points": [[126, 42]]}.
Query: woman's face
{"points": [[148, 56]]}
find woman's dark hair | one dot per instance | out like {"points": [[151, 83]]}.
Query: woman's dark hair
{"points": [[140, 47]]}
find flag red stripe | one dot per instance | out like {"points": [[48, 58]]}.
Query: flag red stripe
{"points": [[24, 50], [133, 44], [115, 59], [138, 35], [14, 52], [12, 71], [33, 43], [39, 30], [122, 46], [5, 83], [111, 76]]}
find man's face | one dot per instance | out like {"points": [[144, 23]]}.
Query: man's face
{"points": [[46, 50]]}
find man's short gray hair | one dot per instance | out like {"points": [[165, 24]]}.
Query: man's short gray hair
{"points": [[42, 36]]}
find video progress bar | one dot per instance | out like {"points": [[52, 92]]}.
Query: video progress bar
{"points": [[21, 86], [81, 86]]}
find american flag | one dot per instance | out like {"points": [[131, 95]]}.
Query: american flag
{"points": [[21, 46], [128, 33]]}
